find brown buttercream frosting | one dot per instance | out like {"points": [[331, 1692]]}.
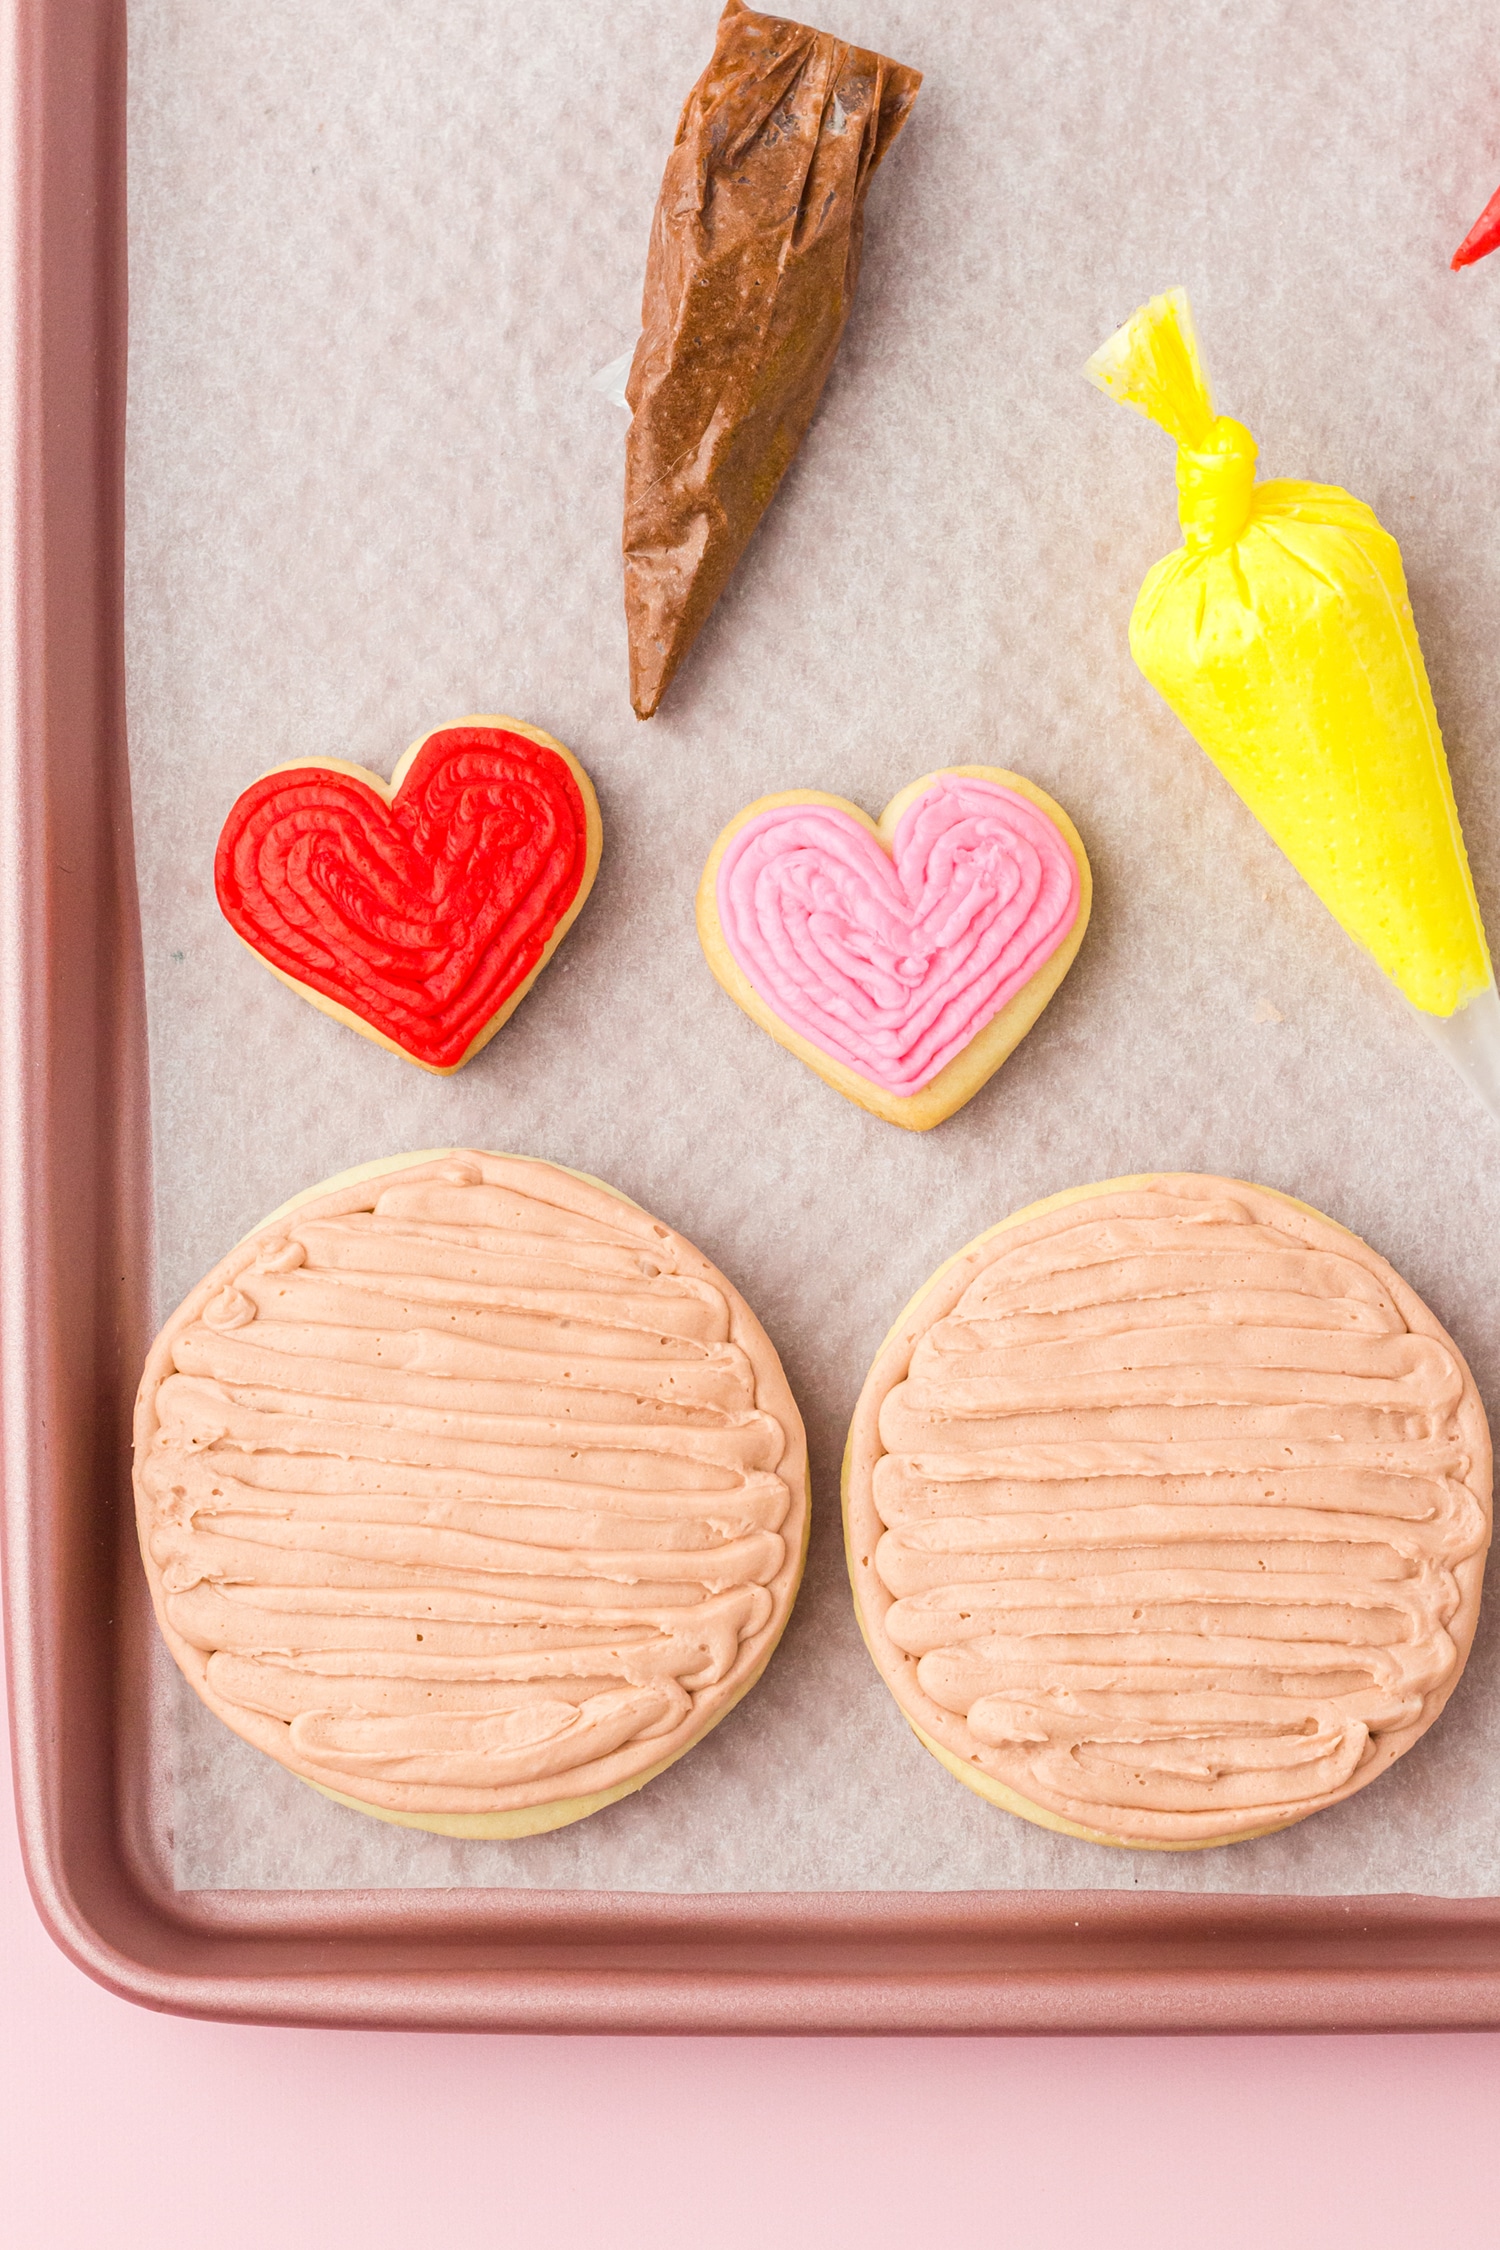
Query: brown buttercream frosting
{"points": [[1167, 1511], [751, 272], [469, 1487]]}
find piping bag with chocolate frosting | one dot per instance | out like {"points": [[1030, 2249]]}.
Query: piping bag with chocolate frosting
{"points": [[1281, 634], [752, 269]]}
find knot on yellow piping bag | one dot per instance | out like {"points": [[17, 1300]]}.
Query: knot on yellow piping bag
{"points": [[1281, 634], [1215, 484]]}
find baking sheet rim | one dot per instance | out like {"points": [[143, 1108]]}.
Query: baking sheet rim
{"points": [[74, 1202]]}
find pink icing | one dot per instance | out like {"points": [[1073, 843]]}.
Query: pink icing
{"points": [[892, 962]]}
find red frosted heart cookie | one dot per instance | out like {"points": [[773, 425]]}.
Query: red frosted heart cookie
{"points": [[419, 911]]}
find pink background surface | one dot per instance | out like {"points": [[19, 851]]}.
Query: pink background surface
{"points": [[122, 2128]]}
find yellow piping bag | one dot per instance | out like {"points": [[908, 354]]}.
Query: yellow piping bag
{"points": [[1281, 634]]}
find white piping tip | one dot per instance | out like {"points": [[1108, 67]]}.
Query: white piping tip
{"points": [[1470, 1038]]}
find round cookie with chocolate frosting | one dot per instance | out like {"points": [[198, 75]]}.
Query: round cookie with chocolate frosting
{"points": [[470, 1492], [1167, 1504]]}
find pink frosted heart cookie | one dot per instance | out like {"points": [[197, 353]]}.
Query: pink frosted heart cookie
{"points": [[902, 959]]}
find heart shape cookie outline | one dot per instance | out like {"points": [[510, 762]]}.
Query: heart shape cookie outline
{"points": [[961, 1077], [335, 995]]}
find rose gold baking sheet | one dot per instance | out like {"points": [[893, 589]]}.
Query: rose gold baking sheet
{"points": [[377, 251]]}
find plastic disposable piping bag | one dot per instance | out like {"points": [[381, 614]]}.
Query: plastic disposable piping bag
{"points": [[1281, 634], [753, 266]]}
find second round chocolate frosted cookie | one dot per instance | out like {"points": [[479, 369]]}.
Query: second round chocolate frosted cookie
{"points": [[1167, 1504]]}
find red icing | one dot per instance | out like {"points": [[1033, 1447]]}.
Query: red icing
{"points": [[422, 916]]}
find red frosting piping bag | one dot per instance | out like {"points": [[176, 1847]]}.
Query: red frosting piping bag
{"points": [[1482, 237]]}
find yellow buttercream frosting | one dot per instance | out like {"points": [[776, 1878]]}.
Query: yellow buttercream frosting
{"points": [[1281, 634]]}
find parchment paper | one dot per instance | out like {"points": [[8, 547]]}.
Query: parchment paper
{"points": [[378, 249]]}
